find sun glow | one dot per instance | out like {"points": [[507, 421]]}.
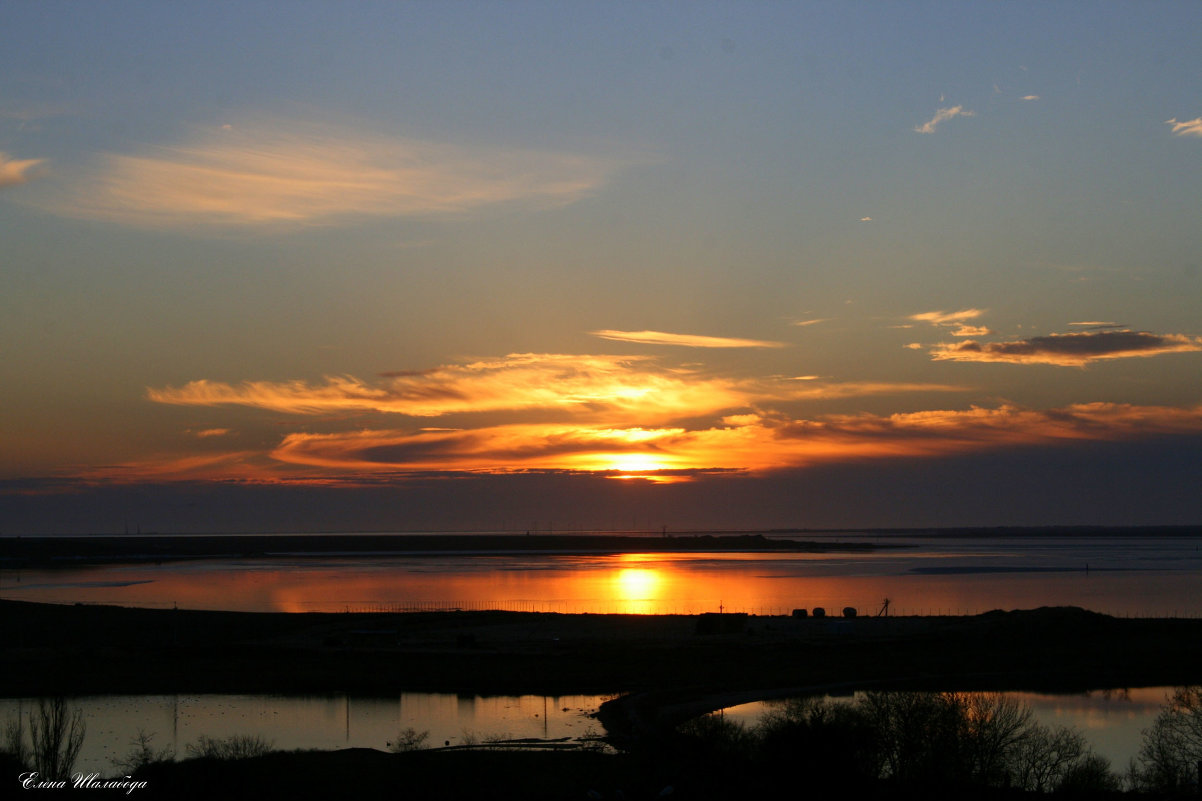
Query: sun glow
{"points": [[628, 466], [631, 462], [637, 589]]}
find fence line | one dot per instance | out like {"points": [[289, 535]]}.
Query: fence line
{"points": [[636, 607], [593, 607]]}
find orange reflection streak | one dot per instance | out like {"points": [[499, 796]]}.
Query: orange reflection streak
{"points": [[638, 588], [639, 583]]}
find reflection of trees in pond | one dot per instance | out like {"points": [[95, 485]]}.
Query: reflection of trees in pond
{"points": [[55, 735], [916, 739], [1170, 758]]}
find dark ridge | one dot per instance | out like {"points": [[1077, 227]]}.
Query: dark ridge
{"points": [[53, 551], [82, 650]]}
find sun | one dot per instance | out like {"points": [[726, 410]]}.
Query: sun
{"points": [[632, 462], [642, 466]]}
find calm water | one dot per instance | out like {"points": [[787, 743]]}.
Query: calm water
{"points": [[324, 722], [1111, 721], [1150, 576]]}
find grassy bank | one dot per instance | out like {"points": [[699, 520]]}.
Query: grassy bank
{"points": [[50, 649]]}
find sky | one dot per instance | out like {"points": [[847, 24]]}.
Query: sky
{"points": [[316, 266]]}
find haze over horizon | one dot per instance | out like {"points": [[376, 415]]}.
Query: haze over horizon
{"points": [[380, 266]]}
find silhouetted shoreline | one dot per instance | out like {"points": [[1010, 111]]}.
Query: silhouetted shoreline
{"points": [[70, 551], [73, 650], [45, 552]]}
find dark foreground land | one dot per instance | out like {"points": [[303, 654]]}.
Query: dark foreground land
{"points": [[54, 649], [671, 667]]}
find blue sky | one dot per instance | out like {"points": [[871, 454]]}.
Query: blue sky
{"points": [[718, 251]]}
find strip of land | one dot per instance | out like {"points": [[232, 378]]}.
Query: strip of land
{"points": [[44, 552], [51, 649]]}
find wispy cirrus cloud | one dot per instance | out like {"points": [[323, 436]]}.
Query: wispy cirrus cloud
{"points": [[619, 390], [570, 384], [236, 466], [1069, 350], [956, 320], [620, 416], [272, 172], [14, 171], [941, 116], [683, 340], [1187, 128], [750, 442], [947, 318]]}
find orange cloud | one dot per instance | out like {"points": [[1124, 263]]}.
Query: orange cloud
{"points": [[684, 340], [947, 318], [1187, 128], [612, 389], [13, 172], [240, 466], [740, 442], [1070, 350], [274, 171], [213, 432]]}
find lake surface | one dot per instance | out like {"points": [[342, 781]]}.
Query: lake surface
{"points": [[1131, 576], [1112, 721]]}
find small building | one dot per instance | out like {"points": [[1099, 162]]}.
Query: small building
{"points": [[722, 623]]}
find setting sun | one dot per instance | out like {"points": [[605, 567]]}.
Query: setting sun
{"points": [[631, 462]]}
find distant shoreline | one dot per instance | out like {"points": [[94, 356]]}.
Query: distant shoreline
{"points": [[49, 552], [73, 550]]}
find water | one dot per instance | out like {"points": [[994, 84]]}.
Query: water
{"points": [[1131, 576], [1112, 721], [1134, 576], [321, 722]]}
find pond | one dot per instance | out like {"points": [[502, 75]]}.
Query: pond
{"points": [[1112, 721]]}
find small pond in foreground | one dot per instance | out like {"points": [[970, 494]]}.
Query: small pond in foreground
{"points": [[1112, 721]]}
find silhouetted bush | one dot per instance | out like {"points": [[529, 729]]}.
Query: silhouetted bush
{"points": [[1089, 777], [1046, 756], [719, 737], [409, 739], [833, 743], [142, 754], [910, 741], [239, 746], [1169, 758]]}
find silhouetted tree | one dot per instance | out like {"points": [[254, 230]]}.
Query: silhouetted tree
{"points": [[142, 754], [55, 738], [1171, 752]]}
